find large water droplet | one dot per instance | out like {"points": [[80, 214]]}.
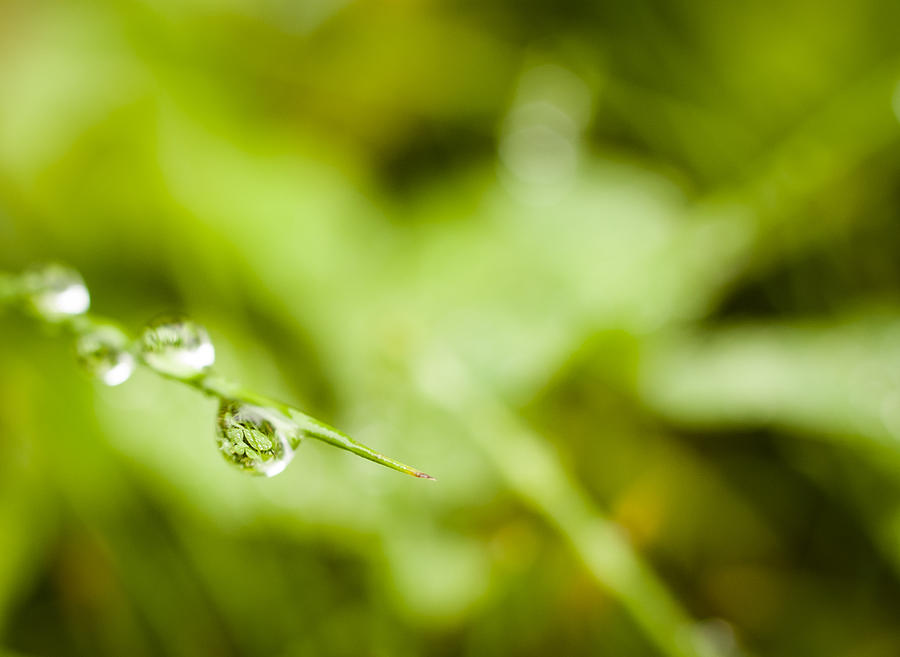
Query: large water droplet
{"points": [[55, 291], [178, 347], [256, 439], [104, 353]]}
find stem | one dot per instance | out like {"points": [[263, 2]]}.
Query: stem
{"points": [[11, 290]]}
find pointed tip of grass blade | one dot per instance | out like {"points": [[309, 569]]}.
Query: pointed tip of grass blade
{"points": [[314, 428]]}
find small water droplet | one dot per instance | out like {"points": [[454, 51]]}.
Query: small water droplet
{"points": [[178, 347], [55, 291], [104, 353], [256, 439]]}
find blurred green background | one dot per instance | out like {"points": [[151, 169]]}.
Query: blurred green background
{"points": [[623, 276]]}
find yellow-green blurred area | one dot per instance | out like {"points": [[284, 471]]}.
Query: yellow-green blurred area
{"points": [[623, 276]]}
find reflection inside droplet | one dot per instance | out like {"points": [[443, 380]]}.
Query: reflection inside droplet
{"points": [[56, 292], [104, 353], [256, 439], [178, 347]]}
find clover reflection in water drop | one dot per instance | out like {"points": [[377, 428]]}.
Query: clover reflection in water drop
{"points": [[178, 347], [256, 439], [104, 353], [56, 292]]}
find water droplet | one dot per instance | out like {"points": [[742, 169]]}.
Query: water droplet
{"points": [[55, 291], [178, 347], [104, 353], [256, 439]]}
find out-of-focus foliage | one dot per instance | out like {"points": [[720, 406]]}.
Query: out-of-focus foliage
{"points": [[623, 276]]}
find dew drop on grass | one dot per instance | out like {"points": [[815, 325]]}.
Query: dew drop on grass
{"points": [[104, 353], [256, 439], [56, 292], [178, 347]]}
